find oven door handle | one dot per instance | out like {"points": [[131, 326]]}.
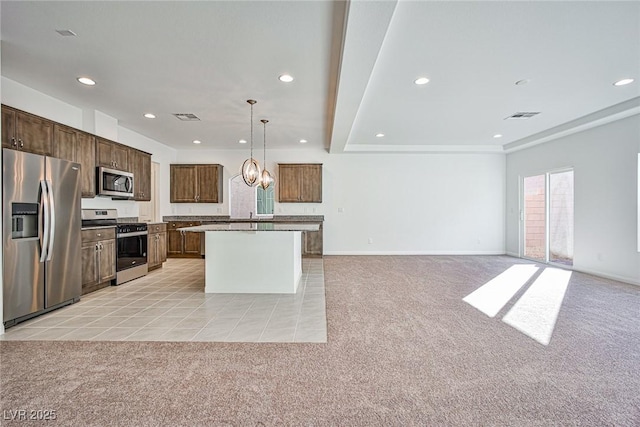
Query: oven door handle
{"points": [[135, 233]]}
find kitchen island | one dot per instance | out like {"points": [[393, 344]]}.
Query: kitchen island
{"points": [[253, 257]]}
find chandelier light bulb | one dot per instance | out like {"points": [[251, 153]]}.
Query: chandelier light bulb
{"points": [[265, 179]]}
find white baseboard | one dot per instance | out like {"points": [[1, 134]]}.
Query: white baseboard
{"points": [[624, 279], [413, 253], [597, 273]]}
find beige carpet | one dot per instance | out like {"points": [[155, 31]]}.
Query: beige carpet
{"points": [[404, 349]]}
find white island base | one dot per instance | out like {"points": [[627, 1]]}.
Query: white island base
{"points": [[253, 262]]}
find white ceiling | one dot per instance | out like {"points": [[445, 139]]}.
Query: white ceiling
{"points": [[354, 65]]}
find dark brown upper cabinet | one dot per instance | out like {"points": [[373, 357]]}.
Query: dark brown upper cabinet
{"points": [[141, 168], [80, 147], [196, 183], [112, 155], [300, 183], [26, 132]]}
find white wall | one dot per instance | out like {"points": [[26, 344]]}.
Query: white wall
{"points": [[405, 203], [606, 195]]}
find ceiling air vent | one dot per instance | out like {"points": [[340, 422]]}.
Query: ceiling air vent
{"points": [[66, 33], [522, 115], [187, 117]]}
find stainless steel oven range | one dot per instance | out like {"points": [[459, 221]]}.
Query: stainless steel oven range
{"points": [[131, 260], [131, 242]]}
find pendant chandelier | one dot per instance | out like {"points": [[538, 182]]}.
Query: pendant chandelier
{"points": [[250, 167], [265, 178]]}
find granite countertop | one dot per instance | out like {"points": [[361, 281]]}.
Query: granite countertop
{"points": [[253, 226], [227, 219]]}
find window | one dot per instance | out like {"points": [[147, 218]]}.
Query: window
{"points": [[249, 202], [547, 222]]}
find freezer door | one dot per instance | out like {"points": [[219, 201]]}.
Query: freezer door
{"points": [[22, 234], [63, 267]]}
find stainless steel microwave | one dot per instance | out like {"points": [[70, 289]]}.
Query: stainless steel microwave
{"points": [[114, 183]]}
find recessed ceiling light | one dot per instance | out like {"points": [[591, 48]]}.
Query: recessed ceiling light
{"points": [[522, 82], [303, 141], [285, 78], [242, 141], [379, 135], [421, 81], [623, 82], [86, 81], [150, 115], [497, 135], [195, 141]]}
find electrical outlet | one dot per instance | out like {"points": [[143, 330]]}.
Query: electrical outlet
{"points": [[340, 210], [370, 240]]}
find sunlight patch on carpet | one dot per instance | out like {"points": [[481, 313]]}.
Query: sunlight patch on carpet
{"points": [[536, 312], [493, 295]]}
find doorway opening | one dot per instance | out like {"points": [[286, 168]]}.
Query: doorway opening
{"points": [[547, 221]]}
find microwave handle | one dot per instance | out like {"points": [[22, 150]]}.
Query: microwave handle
{"points": [[129, 184]]}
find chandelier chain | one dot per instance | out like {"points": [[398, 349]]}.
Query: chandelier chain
{"points": [[264, 158], [251, 123]]}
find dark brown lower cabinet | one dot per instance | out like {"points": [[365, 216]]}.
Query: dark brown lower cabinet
{"points": [[157, 246], [312, 243], [183, 244], [98, 258]]}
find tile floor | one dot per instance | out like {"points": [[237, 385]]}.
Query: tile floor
{"points": [[169, 304]]}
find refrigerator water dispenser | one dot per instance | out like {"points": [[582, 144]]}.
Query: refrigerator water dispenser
{"points": [[24, 220]]}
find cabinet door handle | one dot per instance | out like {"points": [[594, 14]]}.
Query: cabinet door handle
{"points": [[99, 235], [98, 258], [14, 142], [21, 143]]}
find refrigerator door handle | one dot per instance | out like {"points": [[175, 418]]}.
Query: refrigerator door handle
{"points": [[44, 200], [52, 222]]}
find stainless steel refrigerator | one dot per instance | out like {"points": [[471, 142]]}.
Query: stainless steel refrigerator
{"points": [[41, 234]]}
